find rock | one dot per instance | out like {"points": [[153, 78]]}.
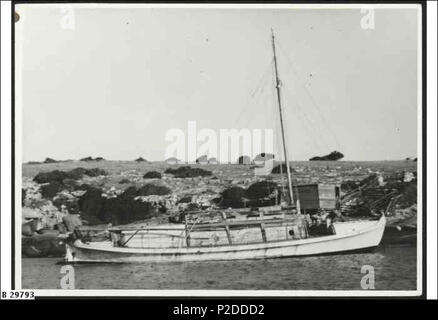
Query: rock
{"points": [[261, 189], [140, 159], [48, 191], [70, 184], [153, 189], [30, 213], [276, 169], [233, 197], [30, 227], [121, 209], [91, 204], [124, 181], [49, 160], [95, 172], [408, 177], [77, 173], [66, 202], [43, 245], [61, 227], [333, 156], [152, 175], [244, 160], [60, 176], [188, 172], [88, 159], [185, 199], [51, 232], [72, 221], [46, 177], [213, 161]]}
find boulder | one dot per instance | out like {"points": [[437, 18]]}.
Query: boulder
{"points": [[276, 169], [46, 177], [188, 172], [261, 189], [140, 159], [72, 221], [153, 189], [233, 197], [48, 191], [50, 160], [88, 159], [152, 175], [95, 172], [333, 156]]}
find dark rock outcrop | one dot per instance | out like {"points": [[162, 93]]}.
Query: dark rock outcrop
{"points": [[276, 169], [152, 175], [46, 177], [96, 209], [50, 190], [188, 172], [261, 189], [50, 160], [233, 197], [140, 159], [88, 159], [75, 174], [153, 189], [333, 156]]}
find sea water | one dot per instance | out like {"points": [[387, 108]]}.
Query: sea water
{"points": [[394, 269]]}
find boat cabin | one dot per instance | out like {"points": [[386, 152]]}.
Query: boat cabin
{"points": [[318, 196]]}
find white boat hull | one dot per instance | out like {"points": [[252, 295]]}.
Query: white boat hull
{"points": [[350, 236]]}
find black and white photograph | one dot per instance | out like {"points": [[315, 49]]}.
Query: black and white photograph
{"points": [[219, 149]]}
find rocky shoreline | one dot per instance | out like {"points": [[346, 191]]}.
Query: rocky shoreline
{"points": [[58, 197]]}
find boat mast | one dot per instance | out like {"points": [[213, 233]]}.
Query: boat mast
{"points": [[278, 87]]}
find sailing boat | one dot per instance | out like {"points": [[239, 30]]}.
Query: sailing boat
{"points": [[264, 237]]}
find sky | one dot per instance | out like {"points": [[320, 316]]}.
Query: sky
{"points": [[111, 82]]}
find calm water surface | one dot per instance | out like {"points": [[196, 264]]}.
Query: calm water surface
{"points": [[395, 269]]}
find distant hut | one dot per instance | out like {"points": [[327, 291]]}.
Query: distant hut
{"points": [[140, 159], [261, 158], [172, 160], [202, 160], [244, 160]]}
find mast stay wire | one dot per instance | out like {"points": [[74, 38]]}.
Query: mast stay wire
{"points": [[309, 94], [318, 143], [257, 91]]}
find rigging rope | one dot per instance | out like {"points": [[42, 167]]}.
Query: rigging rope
{"points": [[312, 100]]}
